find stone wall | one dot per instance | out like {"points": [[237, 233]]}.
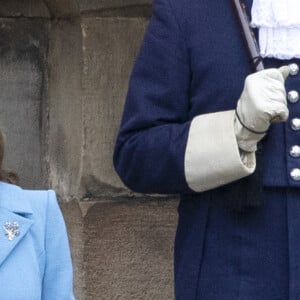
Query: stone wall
{"points": [[23, 80], [65, 69]]}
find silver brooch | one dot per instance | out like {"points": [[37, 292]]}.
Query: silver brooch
{"points": [[11, 230]]}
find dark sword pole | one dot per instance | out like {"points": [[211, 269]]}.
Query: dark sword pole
{"points": [[248, 35]]}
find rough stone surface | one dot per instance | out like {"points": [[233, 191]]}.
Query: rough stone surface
{"points": [[23, 49], [73, 8], [129, 250], [102, 8], [62, 8], [91, 5], [116, 8], [23, 8], [108, 59], [65, 108], [136, 11]]}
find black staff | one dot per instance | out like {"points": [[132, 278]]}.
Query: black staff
{"points": [[248, 35]]}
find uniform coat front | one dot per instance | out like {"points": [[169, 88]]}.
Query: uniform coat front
{"points": [[192, 65], [35, 263]]}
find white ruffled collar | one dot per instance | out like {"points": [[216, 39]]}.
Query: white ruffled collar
{"points": [[278, 22]]}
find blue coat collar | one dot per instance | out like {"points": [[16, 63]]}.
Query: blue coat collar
{"points": [[11, 199], [13, 208]]}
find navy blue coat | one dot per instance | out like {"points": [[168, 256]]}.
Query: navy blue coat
{"points": [[193, 61]]}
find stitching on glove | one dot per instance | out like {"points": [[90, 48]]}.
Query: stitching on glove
{"points": [[251, 130]]}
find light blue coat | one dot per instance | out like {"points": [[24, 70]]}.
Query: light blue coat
{"points": [[35, 264]]}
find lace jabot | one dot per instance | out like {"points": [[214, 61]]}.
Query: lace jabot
{"points": [[278, 22]]}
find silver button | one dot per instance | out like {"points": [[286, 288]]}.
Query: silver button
{"points": [[295, 124], [295, 151], [295, 174], [293, 96], [294, 69]]}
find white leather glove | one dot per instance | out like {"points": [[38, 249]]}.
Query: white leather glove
{"points": [[262, 102]]}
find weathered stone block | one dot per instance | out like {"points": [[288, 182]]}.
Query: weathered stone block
{"points": [[62, 8], [135, 11], [28, 8], [65, 136], [23, 48], [128, 250], [109, 48], [92, 5]]}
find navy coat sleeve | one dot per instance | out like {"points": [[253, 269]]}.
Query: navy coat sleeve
{"points": [[150, 148]]}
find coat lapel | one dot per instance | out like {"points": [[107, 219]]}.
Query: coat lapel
{"points": [[6, 245], [13, 208]]}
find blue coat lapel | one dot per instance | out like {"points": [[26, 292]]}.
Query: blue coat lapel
{"points": [[7, 246], [12, 209]]}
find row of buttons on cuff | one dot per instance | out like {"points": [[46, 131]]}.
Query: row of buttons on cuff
{"points": [[293, 97]]}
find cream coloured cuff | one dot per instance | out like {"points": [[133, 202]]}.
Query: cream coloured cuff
{"points": [[212, 156]]}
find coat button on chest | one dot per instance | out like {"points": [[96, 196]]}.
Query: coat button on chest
{"points": [[295, 124], [293, 96], [294, 69], [295, 174], [295, 151]]}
